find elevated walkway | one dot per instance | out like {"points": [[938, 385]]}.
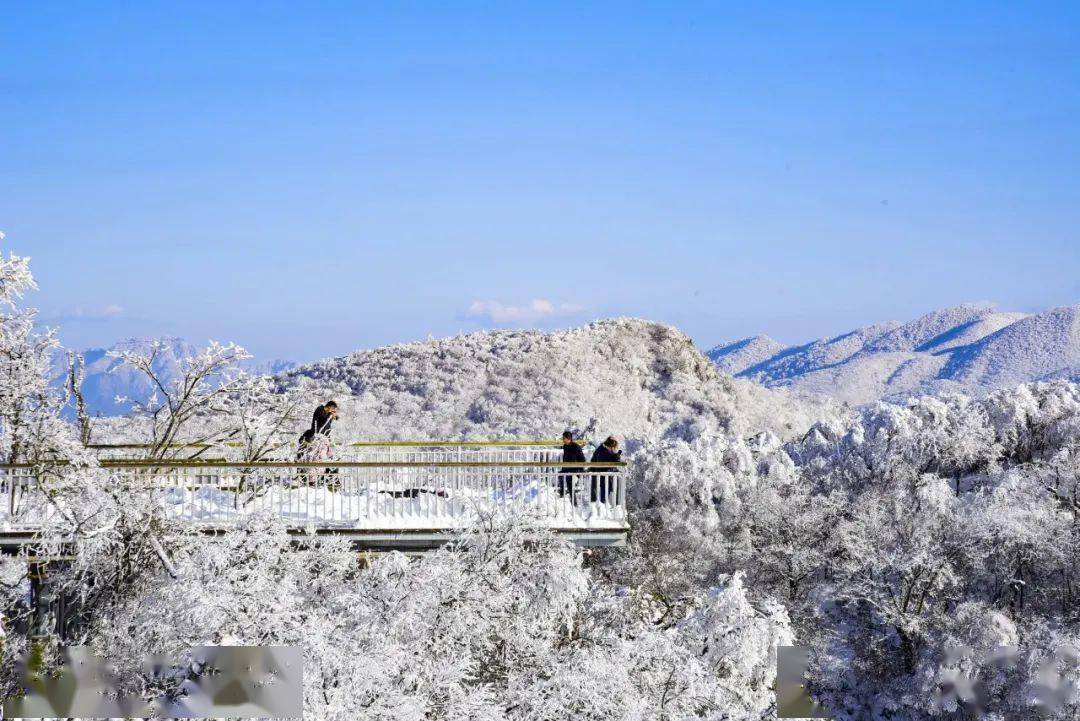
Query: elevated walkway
{"points": [[411, 496]]}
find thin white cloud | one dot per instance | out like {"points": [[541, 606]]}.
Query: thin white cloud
{"points": [[535, 310], [111, 311]]}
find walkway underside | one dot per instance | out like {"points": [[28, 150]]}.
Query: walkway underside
{"points": [[375, 540]]}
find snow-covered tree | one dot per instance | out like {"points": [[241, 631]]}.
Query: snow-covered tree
{"points": [[505, 625], [174, 410], [30, 429]]}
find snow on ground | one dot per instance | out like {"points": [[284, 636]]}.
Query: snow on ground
{"points": [[365, 509]]}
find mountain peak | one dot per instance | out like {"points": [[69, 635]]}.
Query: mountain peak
{"points": [[970, 347], [737, 356], [939, 329]]}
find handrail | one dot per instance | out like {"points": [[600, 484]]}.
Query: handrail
{"points": [[109, 446], [171, 463], [457, 444], [359, 444]]}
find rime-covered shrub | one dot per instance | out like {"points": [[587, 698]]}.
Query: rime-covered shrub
{"points": [[891, 538], [506, 625]]}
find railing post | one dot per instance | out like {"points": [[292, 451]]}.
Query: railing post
{"points": [[459, 485], [11, 492], [622, 496]]}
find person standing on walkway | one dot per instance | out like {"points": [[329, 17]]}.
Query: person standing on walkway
{"points": [[571, 453], [315, 441], [321, 420], [608, 452]]}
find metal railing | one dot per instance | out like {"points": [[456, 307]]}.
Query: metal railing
{"points": [[547, 451], [350, 495]]}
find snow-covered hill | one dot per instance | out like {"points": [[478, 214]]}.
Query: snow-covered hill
{"points": [[969, 347], [628, 377]]}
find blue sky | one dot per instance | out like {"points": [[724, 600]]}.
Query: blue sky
{"points": [[312, 178]]}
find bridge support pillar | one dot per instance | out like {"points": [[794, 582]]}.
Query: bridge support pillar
{"points": [[52, 610]]}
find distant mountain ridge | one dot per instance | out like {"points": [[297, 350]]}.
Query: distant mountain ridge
{"points": [[972, 347], [106, 377]]}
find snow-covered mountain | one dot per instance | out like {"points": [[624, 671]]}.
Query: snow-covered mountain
{"points": [[105, 377], [628, 377], [736, 357], [970, 347]]}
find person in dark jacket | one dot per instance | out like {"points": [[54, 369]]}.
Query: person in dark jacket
{"points": [[315, 442], [571, 453], [321, 420], [608, 452]]}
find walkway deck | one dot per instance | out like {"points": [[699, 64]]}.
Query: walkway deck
{"points": [[379, 504]]}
